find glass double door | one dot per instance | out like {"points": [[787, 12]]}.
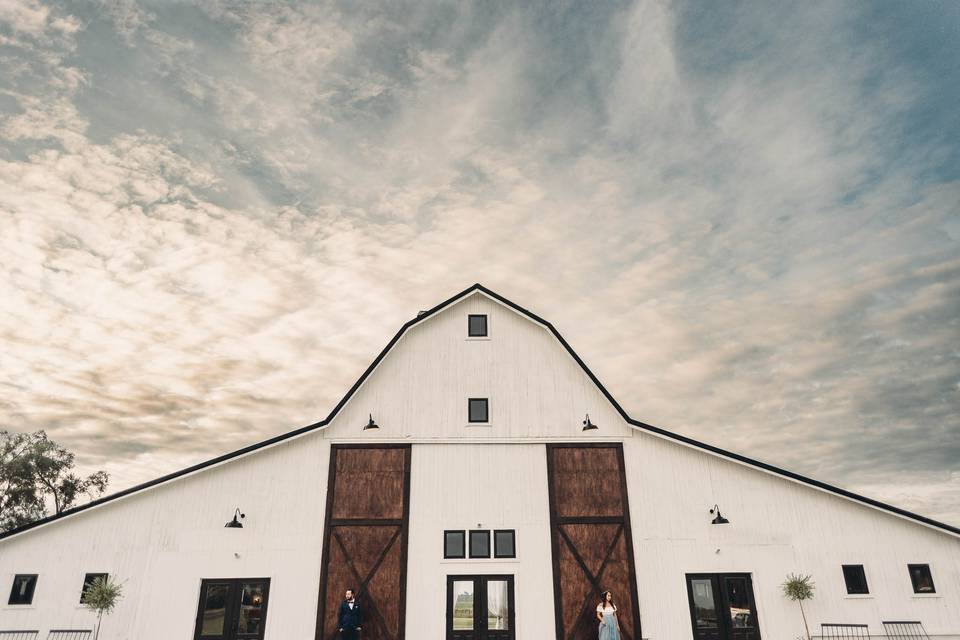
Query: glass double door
{"points": [[480, 608], [722, 606], [232, 609]]}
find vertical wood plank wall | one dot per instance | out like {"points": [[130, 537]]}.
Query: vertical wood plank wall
{"points": [[365, 538], [591, 538]]}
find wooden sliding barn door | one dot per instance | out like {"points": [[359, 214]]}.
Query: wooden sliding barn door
{"points": [[592, 544], [365, 538]]}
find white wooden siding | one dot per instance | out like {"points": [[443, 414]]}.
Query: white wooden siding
{"points": [[776, 527], [161, 542], [419, 391], [485, 486]]}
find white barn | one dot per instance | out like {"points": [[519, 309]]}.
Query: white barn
{"points": [[480, 508]]}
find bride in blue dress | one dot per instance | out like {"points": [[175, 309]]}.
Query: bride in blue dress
{"points": [[607, 616]]}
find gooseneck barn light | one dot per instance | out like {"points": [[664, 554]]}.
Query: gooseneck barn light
{"points": [[589, 426], [236, 524], [371, 424], [719, 519]]}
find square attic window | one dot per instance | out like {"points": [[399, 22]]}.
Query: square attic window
{"points": [[478, 410], [476, 326]]}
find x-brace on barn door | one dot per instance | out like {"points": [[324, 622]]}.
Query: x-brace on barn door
{"points": [[590, 534], [365, 538]]}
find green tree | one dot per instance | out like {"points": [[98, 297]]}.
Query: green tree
{"points": [[799, 588], [101, 597], [37, 473]]}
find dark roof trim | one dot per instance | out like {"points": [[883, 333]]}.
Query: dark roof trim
{"points": [[423, 315], [717, 450]]}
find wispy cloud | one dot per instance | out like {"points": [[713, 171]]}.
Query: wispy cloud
{"points": [[213, 216]]}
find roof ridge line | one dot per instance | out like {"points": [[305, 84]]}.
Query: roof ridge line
{"points": [[421, 316]]}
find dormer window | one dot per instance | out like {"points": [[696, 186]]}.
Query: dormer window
{"points": [[477, 326], [478, 410]]}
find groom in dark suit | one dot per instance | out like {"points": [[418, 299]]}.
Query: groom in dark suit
{"points": [[349, 617]]}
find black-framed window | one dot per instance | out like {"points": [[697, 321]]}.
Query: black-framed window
{"points": [[455, 544], [480, 543], [480, 606], [478, 410], [88, 582], [24, 584], [504, 543], [232, 609], [921, 578], [855, 578], [476, 326]]}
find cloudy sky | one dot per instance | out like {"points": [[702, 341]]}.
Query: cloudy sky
{"points": [[744, 217]]}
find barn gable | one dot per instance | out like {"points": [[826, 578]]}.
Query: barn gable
{"points": [[534, 389], [432, 363]]}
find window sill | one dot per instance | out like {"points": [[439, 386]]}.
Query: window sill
{"points": [[858, 596], [480, 561], [477, 338], [479, 424], [19, 607], [922, 596]]}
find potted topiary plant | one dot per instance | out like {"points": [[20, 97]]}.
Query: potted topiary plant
{"points": [[101, 597], [799, 588]]}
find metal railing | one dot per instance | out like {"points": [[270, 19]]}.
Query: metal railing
{"points": [[844, 631], [19, 635], [905, 630], [70, 634]]}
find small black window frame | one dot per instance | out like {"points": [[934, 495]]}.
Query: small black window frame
{"points": [[913, 582], [463, 544], [486, 532], [486, 410], [852, 574], [513, 543], [486, 326], [35, 577], [88, 579]]}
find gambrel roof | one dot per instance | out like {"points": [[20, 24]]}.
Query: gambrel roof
{"points": [[424, 315]]}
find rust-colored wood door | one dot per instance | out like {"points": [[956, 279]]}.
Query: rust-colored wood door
{"points": [[590, 534], [365, 538]]}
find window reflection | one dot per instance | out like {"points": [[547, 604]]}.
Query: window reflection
{"points": [[214, 610], [463, 605], [498, 611], [251, 608], [739, 601], [705, 609], [922, 580]]}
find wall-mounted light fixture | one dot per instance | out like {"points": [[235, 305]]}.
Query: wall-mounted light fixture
{"points": [[371, 424], [719, 519], [587, 425], [236, 524]]}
